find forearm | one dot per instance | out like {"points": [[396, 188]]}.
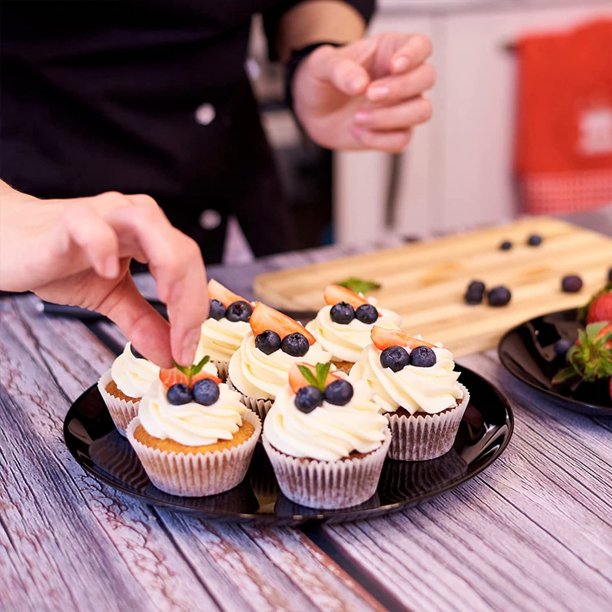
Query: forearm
{"points": [[318, 20]]}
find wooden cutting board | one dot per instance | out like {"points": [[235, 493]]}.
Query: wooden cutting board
{"points": [[425, 281]]}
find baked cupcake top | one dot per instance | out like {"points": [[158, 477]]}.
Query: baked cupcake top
{"points": [[133, 375], [408, 372], [227, 323], [328, 420], [259, 368], [343, 326], [191, 407]]}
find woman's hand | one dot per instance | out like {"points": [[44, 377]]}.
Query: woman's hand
{"points": [[78, 251], [367, 94]]}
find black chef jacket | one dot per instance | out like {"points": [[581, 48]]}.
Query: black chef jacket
{"points": [[104, 95]]}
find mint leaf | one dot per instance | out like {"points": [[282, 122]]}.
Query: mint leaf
{"points": [[359, 285], [198, 366], [309, 376], [322, 372]]}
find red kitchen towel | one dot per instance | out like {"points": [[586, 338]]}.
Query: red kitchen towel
{"points": [[564, 128]]}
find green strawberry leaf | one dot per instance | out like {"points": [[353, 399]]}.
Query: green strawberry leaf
{"points": [[193, 369], [309, 376], [565, 375], [322, 372], [359, 285]]}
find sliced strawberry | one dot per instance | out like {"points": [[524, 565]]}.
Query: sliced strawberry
{"points": [[173, 376], [297, 380], [264, 318], [600, 309], [384, 338], [335, 294], [216, 291]]}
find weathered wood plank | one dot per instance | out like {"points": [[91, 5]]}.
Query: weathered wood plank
{"points": [[71, 540], [533, 532]]}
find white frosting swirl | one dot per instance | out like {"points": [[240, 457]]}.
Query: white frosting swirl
{"points": [[416, 389], [133, 375], [346, 341], [191, 424], [329, 432], [221, 339], [261, 376]]}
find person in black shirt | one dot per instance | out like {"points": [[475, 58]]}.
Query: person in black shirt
{"points": [[152, 97]]}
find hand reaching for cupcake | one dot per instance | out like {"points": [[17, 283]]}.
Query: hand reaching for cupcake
{"points": [[78, 251]]}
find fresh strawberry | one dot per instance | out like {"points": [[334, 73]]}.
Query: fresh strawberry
{"points": [[186, 375], [297, 378], [334, 294], [216, 291], [264, 318], [590, 358], [384, 338], [600, 307]]}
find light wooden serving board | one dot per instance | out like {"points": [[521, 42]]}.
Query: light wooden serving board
{"points": [[425, 282]]}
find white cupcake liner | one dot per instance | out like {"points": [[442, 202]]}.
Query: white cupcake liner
{"points": [[419, 438], [122, 411], [328, 484], [260, 407], [196, 474]]}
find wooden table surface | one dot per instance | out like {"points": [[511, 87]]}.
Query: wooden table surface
{"points": [[533, 532]]}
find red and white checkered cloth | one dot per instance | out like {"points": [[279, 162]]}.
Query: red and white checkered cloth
{"points": [[564, 128]]}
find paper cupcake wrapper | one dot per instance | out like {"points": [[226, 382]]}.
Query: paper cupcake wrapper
{"points": [[196, 474], [260, 407], [122, 411], [328, 484], [419, 438]]}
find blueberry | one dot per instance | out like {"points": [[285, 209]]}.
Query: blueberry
{"points": [[268, 341], [499, 296], [476, 285], [308, 398], [217, 310], [238, 311], [339, 392], [506, 245], [206, 392], [422, 357], [534, 240], [342, 313], [179, 394], [571, 283], [474, 293], [366, 313], [295, 345], [395, 358], [561, 346]]}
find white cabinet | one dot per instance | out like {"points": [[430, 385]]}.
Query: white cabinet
{"points": [[457, 171]]}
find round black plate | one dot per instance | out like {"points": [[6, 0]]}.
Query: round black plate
{"points": [[527, 352], [484, 433]]}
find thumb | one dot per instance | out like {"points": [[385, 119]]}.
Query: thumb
{"points": [[146, 329], [345, 73]]}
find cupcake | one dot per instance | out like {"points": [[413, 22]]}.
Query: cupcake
{"points": [[226, 326], [260, 367], [343, 326], [124, 384], [193, 435], [326, 439], [416, 386]]}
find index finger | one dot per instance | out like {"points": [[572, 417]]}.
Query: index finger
{"points": [[410, 55], [175, 261]]}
